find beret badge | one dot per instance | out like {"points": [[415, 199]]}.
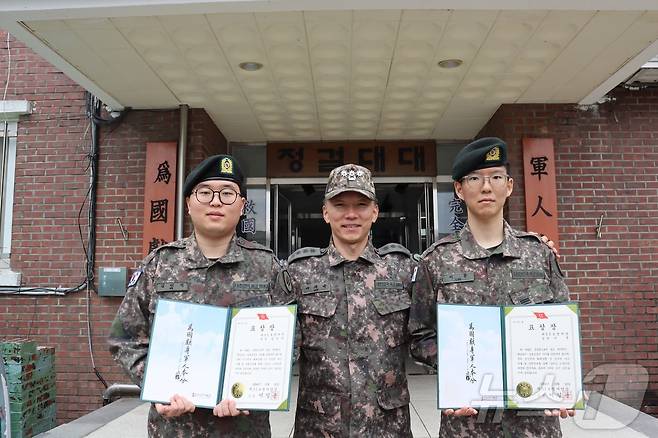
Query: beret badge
{"points": [[493, 154], [226, 166]]}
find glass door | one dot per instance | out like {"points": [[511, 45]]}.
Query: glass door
{"points": [[297, 218], [425, 222], [405, 215], [282, 224]]}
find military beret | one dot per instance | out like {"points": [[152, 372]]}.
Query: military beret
{"points": [[480, 154], [217, 167]]}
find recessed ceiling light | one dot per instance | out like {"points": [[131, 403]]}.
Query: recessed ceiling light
{"points": [[251, 66], [450, 63]]}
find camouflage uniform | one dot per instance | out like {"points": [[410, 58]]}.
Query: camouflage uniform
{"points": [[522, 270], [244, 276], [353, 317]]}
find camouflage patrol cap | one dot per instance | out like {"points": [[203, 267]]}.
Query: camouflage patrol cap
{"points": [[481, 154], [217, 167], [350, 178]]}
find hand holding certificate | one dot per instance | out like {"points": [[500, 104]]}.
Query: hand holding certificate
{"points": [[208, 353], [513, 357]]}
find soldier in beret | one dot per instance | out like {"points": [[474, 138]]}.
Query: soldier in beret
{"points": [[353, 304], [212, 266], [489, 263]]}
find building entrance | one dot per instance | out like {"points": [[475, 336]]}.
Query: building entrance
{"points": [[405, 216]]}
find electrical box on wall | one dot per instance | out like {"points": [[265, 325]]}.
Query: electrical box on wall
{"points": [[112, 282]]}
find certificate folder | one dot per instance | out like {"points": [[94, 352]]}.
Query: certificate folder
{"points": [[511, 357], [209, 353]]}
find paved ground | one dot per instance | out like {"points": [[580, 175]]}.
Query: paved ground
{"points": [[605, 418]]}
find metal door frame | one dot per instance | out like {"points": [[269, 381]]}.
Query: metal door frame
{"points": [[440, 179], [423, 213]]}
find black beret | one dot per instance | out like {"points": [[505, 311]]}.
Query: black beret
{"points": [[217, 167], [480, 154]]}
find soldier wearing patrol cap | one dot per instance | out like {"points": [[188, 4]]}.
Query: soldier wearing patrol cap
{"points": [[212, 266], [489, 263], [353, 302]]}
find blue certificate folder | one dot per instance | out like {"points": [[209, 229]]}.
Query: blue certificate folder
{"points": [[209, 353], [511, 357]]}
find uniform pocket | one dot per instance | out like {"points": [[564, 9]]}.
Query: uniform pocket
{"points": [[393, 398], [251, 293], [541, 293], [393, 309], [464, 292], [387, 302], [176, 296], [318, 411], [251, 299], [323, 305], [326, 403], [530, 292], [316, 313]]}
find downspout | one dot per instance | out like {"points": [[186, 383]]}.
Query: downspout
{"points": [[180, 170], [3, 178], [93, 191], [119, 390]]}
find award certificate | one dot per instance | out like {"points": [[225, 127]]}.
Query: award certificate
{"points": [[208, 353], [512, 357]]}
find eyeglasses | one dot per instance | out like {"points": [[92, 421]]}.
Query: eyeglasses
{"points": [[497, 180], [227, 196]]}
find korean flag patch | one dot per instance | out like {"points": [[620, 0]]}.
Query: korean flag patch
{"points": [[135, 278]]}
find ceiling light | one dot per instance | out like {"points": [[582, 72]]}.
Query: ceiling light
{"points": [[251, 66], [450, 63]]}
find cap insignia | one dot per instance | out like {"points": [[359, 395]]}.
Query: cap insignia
{"points": [[493, 154], [226, 166]]}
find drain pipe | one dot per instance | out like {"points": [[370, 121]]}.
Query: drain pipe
{"points": [[93, 190], [4, 156], [180, 170], [118, 390]]}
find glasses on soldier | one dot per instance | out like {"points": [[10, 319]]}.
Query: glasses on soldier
{"points": [[227, 195], [476, 181]]}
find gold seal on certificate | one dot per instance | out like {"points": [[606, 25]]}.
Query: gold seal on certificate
{"points": [[524, 389], [237, 390]]}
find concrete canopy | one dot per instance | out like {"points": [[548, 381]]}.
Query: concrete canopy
{"points": [[341, 70]]}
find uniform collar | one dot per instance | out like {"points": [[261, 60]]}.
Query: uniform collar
{"points": [[196, 259], [336, 258], [234, 253], [472, 251]]}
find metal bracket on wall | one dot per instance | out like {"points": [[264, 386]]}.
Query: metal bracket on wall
{"points": [[124, 232], [599, 225]]}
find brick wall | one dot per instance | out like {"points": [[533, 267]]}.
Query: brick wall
{"points": [[50, 169], [51, 184], [607, 161]]}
